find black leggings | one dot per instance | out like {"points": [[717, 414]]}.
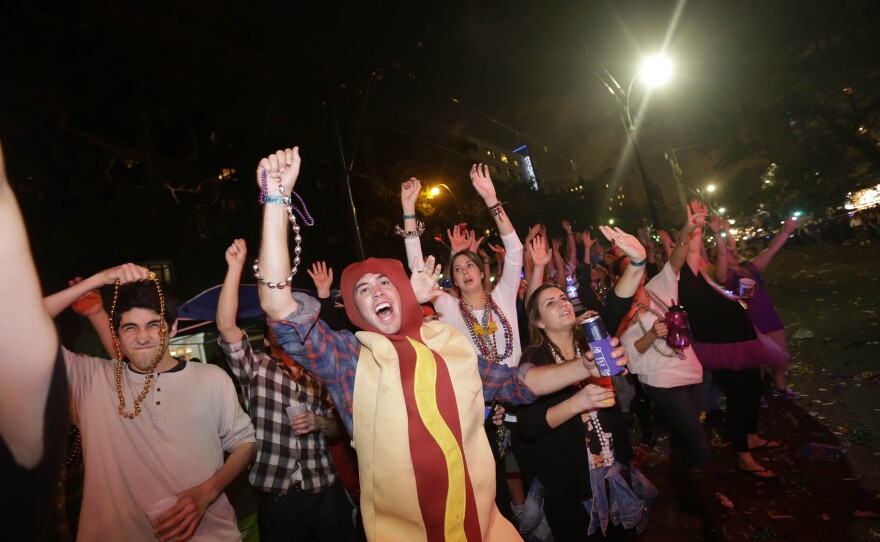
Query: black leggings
{"points": [[743, 392]]}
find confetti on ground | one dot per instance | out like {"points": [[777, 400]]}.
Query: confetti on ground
{"points": [[764, 533]]}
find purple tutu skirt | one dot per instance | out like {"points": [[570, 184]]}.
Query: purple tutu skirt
{"points": [[742, 355]]}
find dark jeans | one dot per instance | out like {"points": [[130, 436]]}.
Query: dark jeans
{"points": [[679, 407], [502, 494], [300, 516], [567, 518], [569, 522], [743, 392]]}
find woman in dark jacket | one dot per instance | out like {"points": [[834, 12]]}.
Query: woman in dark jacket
{"points": [[578, 443]]}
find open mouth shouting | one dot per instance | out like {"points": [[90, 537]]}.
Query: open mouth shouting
{"points": [[384, 312]]}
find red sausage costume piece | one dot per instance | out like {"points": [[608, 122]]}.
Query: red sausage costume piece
{"points": [[426, 469]]}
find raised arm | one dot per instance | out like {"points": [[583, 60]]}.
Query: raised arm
{"points": [[91, 306], [26, 365], [482, 182], [571, 245], [281, 171], [762, 260], [716, 224], [588, 246], [409, 194], [227, 305], [540, 256], [558, 264], [124, 273], [513, 259], [682, 251], [693, 239], [629, 282], [666, 242]]}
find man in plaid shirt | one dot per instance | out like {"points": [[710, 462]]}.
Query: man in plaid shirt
{"points": [[300, 497]]}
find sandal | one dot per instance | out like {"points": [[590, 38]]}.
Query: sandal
{"points": [[761, 473], [768, 445]]}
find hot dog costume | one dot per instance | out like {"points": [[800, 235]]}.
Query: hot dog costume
{"points": [[413, 403]]}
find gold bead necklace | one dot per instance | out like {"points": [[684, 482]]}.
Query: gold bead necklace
{"points": [[163, 329]]}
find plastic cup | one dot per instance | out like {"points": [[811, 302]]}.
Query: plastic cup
{"points": [[295, 410], [746, 288], [158, 508]]}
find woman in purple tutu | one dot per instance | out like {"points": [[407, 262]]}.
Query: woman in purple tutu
{"points": [[727, 343]]}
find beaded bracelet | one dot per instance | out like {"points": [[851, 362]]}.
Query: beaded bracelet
{"points": [[638, 264], [276, 199], [407, 217], [496, 209], [278, 285], [420, 229]]}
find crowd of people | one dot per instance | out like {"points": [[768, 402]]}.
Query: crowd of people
{"points": [[477, 409]]}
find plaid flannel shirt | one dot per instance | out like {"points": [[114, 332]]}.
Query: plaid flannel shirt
{"points": [[268, 388], [332, 357]]}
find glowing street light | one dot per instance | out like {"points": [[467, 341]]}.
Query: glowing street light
{"points": [[656, 70], [435, 191], [710, 188], [722, 210]]}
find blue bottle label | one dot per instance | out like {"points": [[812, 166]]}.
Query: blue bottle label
{"points": [[602, 354]]}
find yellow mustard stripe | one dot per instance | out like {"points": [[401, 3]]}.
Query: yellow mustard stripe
{"points": [[425, 383]]}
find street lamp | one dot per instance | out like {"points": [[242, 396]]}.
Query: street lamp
{"points": [[654, 71], [710, 188], [435, 191]]}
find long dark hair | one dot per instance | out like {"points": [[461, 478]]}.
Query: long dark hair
{"points": [[537, 337]]}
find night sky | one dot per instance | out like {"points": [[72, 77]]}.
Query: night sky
{"points": [[104, 106]]}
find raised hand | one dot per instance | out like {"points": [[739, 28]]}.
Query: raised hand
{"points": [[236, 253], [557, 244], [125, 274], [483, 183], [566, 225], [533, 231], [716, 224], [587, 240], [88, 304], [790, 225], [499, 251], [474, 243], [694, 219], [424, 279], [541, 255], [322, 276], [458, 238], [664, 238], [409, 194], [699, 207], [627, 243], [282, 170]]}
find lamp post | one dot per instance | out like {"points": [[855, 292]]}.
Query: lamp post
{"points": [[435, 191], [655, 71]]}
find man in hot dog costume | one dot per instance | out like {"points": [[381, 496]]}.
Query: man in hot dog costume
{"points": [[410, 393]]}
